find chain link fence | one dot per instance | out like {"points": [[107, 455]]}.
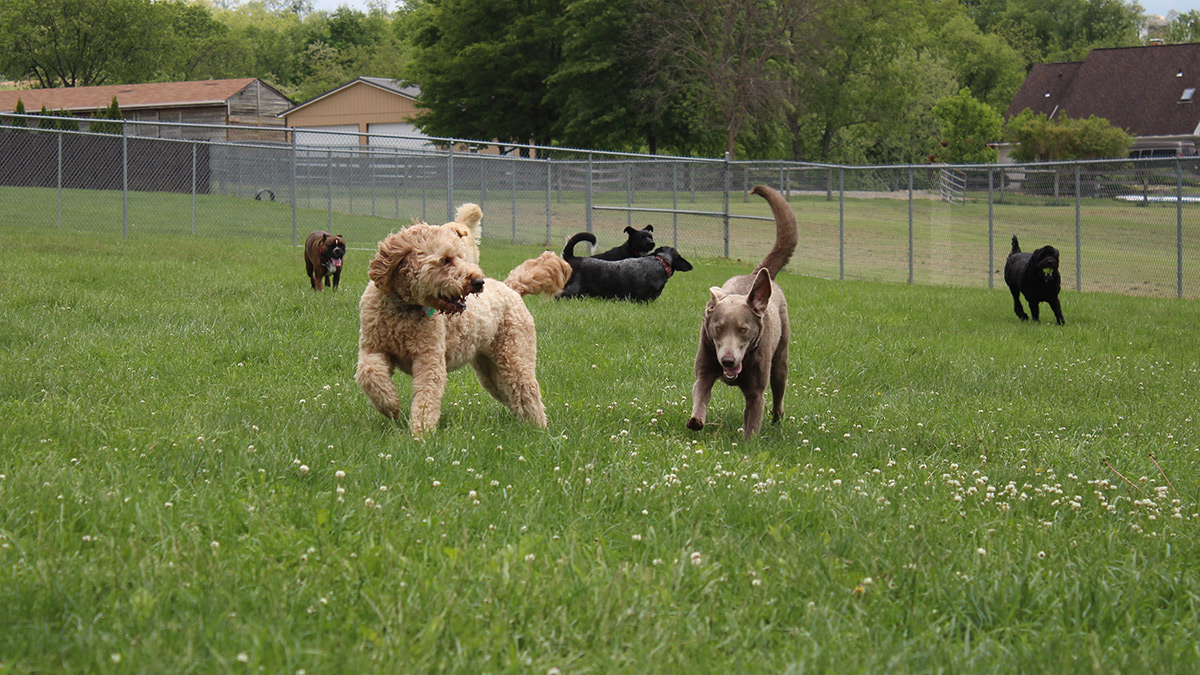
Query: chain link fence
{"points": [[1121, 226]]}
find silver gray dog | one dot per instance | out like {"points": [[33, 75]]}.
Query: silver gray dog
{"points": [[745, 331]]}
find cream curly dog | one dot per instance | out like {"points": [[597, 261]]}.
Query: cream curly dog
{"points": [[428, 309]]}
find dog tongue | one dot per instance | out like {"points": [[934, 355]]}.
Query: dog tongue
{"points": [[731, 373], [337, 262]]}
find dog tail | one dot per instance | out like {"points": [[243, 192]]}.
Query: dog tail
{"points": [[786, 235], [471, 215], [569, 249], [546, 274], [1016, 247]]}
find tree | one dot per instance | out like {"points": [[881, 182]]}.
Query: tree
{"points": [[738, 51], [836, 77], [1058, 30], [1041, 139], [482, 66], [1184, 28], [19, 109], [112, 112], [75, 43], [606, 93], [968, 127]]}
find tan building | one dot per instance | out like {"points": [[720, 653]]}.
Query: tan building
{"points": [[356, 112], [243, 101]]}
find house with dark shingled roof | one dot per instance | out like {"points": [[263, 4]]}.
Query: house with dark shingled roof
{"points": [[1151, 92]]}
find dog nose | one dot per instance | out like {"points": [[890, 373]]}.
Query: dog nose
{"points": [[728, 362], [476, 285]]}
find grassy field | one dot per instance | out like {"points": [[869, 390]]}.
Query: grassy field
{"points": [[190, 481], [1123, 248]]}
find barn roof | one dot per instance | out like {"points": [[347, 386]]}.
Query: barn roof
{"points": [[129, 96], [1148, 91]]}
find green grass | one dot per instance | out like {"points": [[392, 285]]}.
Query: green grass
{"points": [[176, 409]]}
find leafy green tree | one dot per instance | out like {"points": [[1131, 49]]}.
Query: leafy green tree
{"points": [[836, 77], [202, 47], [738, 52], [607, 95], [1184, 28], [984, 62], [1042, 139], [968, 126], [74, 43], [483, 65], [1058, 30]]}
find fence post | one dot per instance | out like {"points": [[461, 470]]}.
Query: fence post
{"points": [[842, 223], [910, 224], [124, 180], [1178, 228], [725, 212], [1078, 234], [515, 164], [991, 231], [450, 182], [549, 196], [675, 204], [60, 157], [329, 190], [588, 193], [292, 168], [194, 192], [628, 194]]}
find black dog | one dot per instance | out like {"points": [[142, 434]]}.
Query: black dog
{"points": [[641, 278], [637, 243], [1036, 275]]}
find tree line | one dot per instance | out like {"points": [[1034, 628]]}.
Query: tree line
{"points": [[850, 81]]}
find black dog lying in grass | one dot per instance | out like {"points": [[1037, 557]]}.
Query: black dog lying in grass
{"points": [[1036, 275], [640, 278]]}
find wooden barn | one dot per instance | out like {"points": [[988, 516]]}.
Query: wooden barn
{"points": [[246, 101]]}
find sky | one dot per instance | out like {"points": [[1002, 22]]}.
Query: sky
{"points": [[1160, 7]]}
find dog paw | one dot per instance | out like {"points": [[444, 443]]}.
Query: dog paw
{"points": [[695, 424]]}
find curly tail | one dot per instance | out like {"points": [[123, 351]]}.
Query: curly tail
{"points": [[569, 249], [543, 275], [786, 235]]}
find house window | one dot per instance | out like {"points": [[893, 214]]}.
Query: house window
{"points": [[1187, 94]]}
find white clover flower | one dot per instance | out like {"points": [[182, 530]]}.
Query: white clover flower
{"points": [[303, 468], [981, 551], [696, 558], [339, 474]]}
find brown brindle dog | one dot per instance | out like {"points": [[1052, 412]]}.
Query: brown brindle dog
{"points": [[323, 253]]}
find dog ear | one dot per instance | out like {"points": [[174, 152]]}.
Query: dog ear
{"points": [[648, 228], [629, 230], [717, 296], [392, 251], [760, 293]]}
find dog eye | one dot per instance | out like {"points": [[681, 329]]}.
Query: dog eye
{"points": [[742, 329], [447, 261]]}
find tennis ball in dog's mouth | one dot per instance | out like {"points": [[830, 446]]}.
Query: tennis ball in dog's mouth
{"points": [[1047, 271]]}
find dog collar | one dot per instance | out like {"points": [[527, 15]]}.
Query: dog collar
{"points": [[423, 310], [666, 265]]}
